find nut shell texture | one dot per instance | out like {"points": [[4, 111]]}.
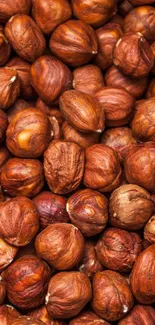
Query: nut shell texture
{"points": [[144, 315]]}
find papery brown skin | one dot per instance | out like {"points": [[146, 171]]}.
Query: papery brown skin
{"points": [[107, 37], [141, 158], [141, 19], [102, 168], [27, 320], [140, 314], [4, 156], [22, 177], [82, 111], [125, 7], [89, 264], [42, 314], [19, 221], [7, 254], [114, 77], [28, 133], [50, 78], [2, 292], [8, 314], [3, 125], [117, 103], [74, 42], [9, 87], [68, 293], [63, 166], [151, 89], [5, 49], [149, 230], [88, 210], [18, 106], [95, 13], [49, 14], [130, 207], [88, 79], [118, 249], [26, 275], [61, 245], [142, 277], [88, 318], [112, 298], [120, 139], [133, 55], [25, 37], [9, 9]]}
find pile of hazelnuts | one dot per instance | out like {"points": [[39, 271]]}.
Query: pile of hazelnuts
{"points": [[77, 162]]}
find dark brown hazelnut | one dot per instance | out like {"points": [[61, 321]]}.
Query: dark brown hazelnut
{"points": [[25, 37], [114, 77], [102, 168], [120, 139], [117, 103], [88, 79], [18, 105], [74, 42], [141, 2], [49, 14], [118, 249], [142, 276], [19, 221], [26, 281], [149, 230], [7, 254], [145, 315], [22, 177], [61, 245], [88, 210], [112, 298], [89, 264], [9, 87], [3, 125], [9, 9], [153, 51], [125, 7], [133, 55], [50, 78], [8, 314], [27, 320], [42, 314], [82, 111], [151, 89], [107, 37], [68, 293], [117, 19], [140, 165], [5, 49], [28, 133], [2, 292], [130, 207], [4, 156], [88, 318]]}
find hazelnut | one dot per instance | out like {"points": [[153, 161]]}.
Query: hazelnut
{"points": [[2, 292], [28, 133], [112, 298], [9, 87], [117, 19], [3, 125], [25, 37], [130, 207], [149, 230], [50, 111], [18, 106], [74, 42], [88, 318], [102, 168], [22, 177], [4, 156], [26, 281], [117, 104], [153, 51], [63, 166], [7, 254], [61, 245], [27, 320], [56, 130], [19, 221], [5, 49], [82, 111], [133, 55], [118, 249], [141, 2], [142, 314], [107, 37], [142, 276], [50, 78], [125, 7], [42, 314], [89, 264], [88, 210], [151, 89], [68, 293], [8, 314], [8, 8], [49, 14]]}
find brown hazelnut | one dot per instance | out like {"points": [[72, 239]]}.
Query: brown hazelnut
{"points": [[18, 105], [42, 314], [9, 87], [5, 49], [153, 51], [145, 315], [149, 230], [22, 177], [107, 37], [68, 293], [49, 14], [114, 77], [63, 166], [88, 318], [117, 104], [8, 8], [151, 89], [118, 249], [140, 165], [119, 139], [25, 37], [130, 207], [125, 7], [3, 125], [141, 2], [27, 320], [142, 276], [74, 42], [88, 79], [61, 245], [2, 292], [28, 133], [19, 221], [117, 19], [4, 156], [26, 281], [7, 254], [89, 264], [50, 111], [82, 111], [88, 210], [56, 130], [112, 298], [8, 314], [102, 168], [133, 55]]}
